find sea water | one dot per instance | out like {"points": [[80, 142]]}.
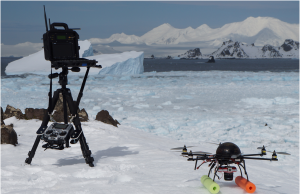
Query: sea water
{"points": [[254, 65]]}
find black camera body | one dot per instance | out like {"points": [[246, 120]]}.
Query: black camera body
{"points": [[61, 43], [61, 47]]}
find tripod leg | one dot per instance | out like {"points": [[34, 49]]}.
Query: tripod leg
{"points": [[44, 126], [85, 151], [84, 147], [32, 152]]}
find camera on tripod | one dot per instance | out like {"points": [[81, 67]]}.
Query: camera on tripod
{"points": [[61, 47], [61, 43]]}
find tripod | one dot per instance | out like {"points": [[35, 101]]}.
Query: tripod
{"points": [[77, 134]]}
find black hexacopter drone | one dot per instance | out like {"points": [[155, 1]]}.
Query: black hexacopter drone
{"points": [[227, 153]]}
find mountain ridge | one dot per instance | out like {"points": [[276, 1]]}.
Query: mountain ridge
{"points": [[237, 49], [259, 30]]}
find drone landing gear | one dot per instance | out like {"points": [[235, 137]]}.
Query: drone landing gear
{"points": [[245, 184], [77, 134], [209, 184], [242, 182], [248, 186]]}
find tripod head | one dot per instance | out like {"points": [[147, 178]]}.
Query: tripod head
{"points": [[63, 79]]}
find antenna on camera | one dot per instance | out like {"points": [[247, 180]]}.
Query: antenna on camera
{"points": [[46, 19]]}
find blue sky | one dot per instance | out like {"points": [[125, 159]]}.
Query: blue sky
{"points": [[23, 21]]}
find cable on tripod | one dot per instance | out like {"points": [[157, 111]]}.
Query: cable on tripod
{"points": [[50, 94]]}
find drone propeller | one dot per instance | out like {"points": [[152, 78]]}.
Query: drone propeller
{"points": [[180, 148], [283, 153], [191, 153], [214, 143]]}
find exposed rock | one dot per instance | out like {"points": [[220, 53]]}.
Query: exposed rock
{"points": [[2, 120], [11, 111], [8, 135], [83, 116], [225, 52], [104, 117], [290, 44], [192, 53], [211, 60], [35, 113], [231, 49], [270, 51], [227, 42], [58, 115]]}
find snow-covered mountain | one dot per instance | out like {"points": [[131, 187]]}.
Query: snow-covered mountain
{"points": [[259, 30], [231, 49]]}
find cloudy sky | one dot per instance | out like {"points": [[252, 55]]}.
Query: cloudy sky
{"points": [[23, 21]]}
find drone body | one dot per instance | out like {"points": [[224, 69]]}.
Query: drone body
{"points": [[227, 155]]}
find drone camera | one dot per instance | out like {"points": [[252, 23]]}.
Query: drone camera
{"points": [[228, 172]]}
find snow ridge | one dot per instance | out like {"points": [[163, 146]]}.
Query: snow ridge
{"points": [[260, 30]]}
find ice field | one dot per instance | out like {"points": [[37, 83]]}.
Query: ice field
{"points": [[158, 111]]}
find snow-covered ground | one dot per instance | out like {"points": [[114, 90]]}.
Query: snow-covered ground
{"points": [[158, 111]]}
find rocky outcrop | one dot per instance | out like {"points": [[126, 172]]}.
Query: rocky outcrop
{"points": [[35, 113], [290, 44], [230, 49], [8, 135], [58, 115], [191, 54], [104, 117], [83, 116], [270, 51], [211, 60], [11, 111]]}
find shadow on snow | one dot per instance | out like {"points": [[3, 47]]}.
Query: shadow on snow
{"points": [[110, 152]]}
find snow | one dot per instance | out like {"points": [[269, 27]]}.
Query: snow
{"points": [[158, 111], [125, 63], [258, 30]]}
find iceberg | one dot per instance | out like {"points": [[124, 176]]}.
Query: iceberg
{"points": [[126, 63], [36, 63]]}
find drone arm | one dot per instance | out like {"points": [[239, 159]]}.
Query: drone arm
{"points": [[253, 155], [271, 159]]}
